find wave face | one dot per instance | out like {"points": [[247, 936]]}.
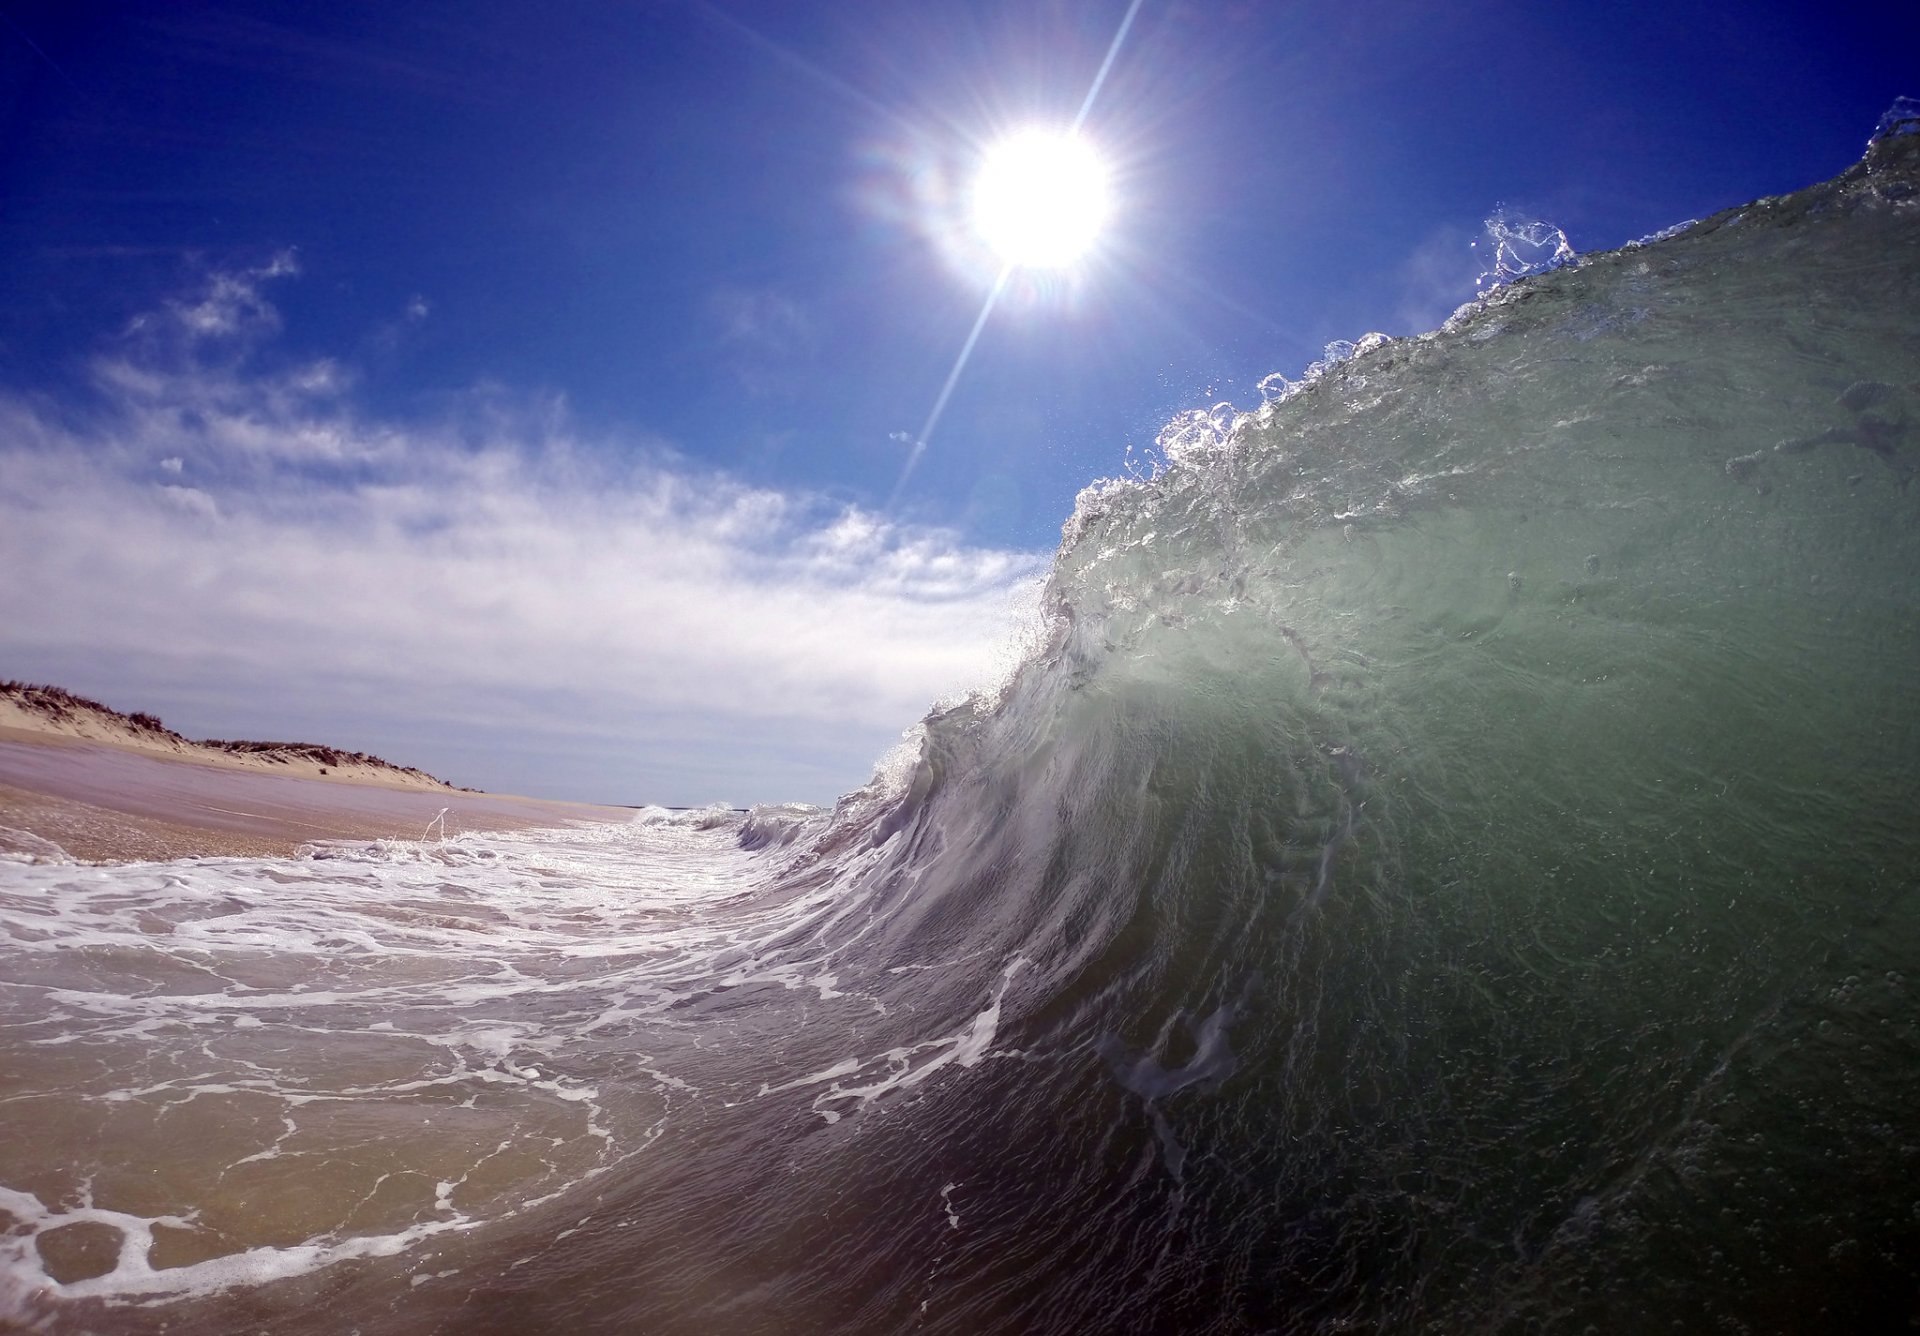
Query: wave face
{"points": [[1454, 866]]}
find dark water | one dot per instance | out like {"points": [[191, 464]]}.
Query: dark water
{"points": [[1454, 865]]}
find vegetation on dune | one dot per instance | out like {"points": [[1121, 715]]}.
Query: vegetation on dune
{"points": [[62, 706]]}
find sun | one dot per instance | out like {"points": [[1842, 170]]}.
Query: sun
{"points": [[1041, 198]]}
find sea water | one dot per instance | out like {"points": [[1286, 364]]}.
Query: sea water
{"points": [[1451, 864]]}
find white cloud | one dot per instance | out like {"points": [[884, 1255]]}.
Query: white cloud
{"points": [[229, 302], [460, 573], [190, 500]]}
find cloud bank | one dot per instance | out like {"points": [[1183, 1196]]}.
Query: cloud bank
{"points": [[242, 548]]}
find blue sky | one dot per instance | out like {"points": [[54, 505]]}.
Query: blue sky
{"points": [[519, 391]]}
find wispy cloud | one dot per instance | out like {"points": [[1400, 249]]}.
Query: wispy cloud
{"points": [[204, 518], [230, 302], [768, 337]]}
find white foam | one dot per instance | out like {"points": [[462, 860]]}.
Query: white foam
{"points": [[25, 1284], [530, 982], [900, 1068]]}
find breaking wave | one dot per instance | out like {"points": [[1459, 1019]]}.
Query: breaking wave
{"points": [[1449, 866]]}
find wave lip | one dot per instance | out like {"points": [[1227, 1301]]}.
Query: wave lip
{"points": [[1902, 118]]}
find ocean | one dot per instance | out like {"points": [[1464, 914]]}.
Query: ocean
{"points": [[1449, 862]]}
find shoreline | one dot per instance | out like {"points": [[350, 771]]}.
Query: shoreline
{"points": [[101, 800], [54, 712]]}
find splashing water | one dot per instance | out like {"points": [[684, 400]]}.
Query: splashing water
{"points": [[1518, 246], [1902, 118]]}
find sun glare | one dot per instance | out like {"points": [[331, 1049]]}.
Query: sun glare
{"points": [[1041, 198]]}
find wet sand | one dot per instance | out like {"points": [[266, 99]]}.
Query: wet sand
{"points": [[97, 802]]}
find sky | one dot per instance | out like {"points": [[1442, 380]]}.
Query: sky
{"points": [[527, 392]]}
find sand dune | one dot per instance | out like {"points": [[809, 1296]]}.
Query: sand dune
{"points": [[59, 712], [81, 781]]}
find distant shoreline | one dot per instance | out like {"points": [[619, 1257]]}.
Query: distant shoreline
{"points": [[80, 781], [25, 707]]}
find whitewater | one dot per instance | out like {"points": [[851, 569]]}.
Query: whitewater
{"points": [[1449, 863]]}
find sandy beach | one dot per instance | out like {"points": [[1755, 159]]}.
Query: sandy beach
{"points": [[87, 784]]}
